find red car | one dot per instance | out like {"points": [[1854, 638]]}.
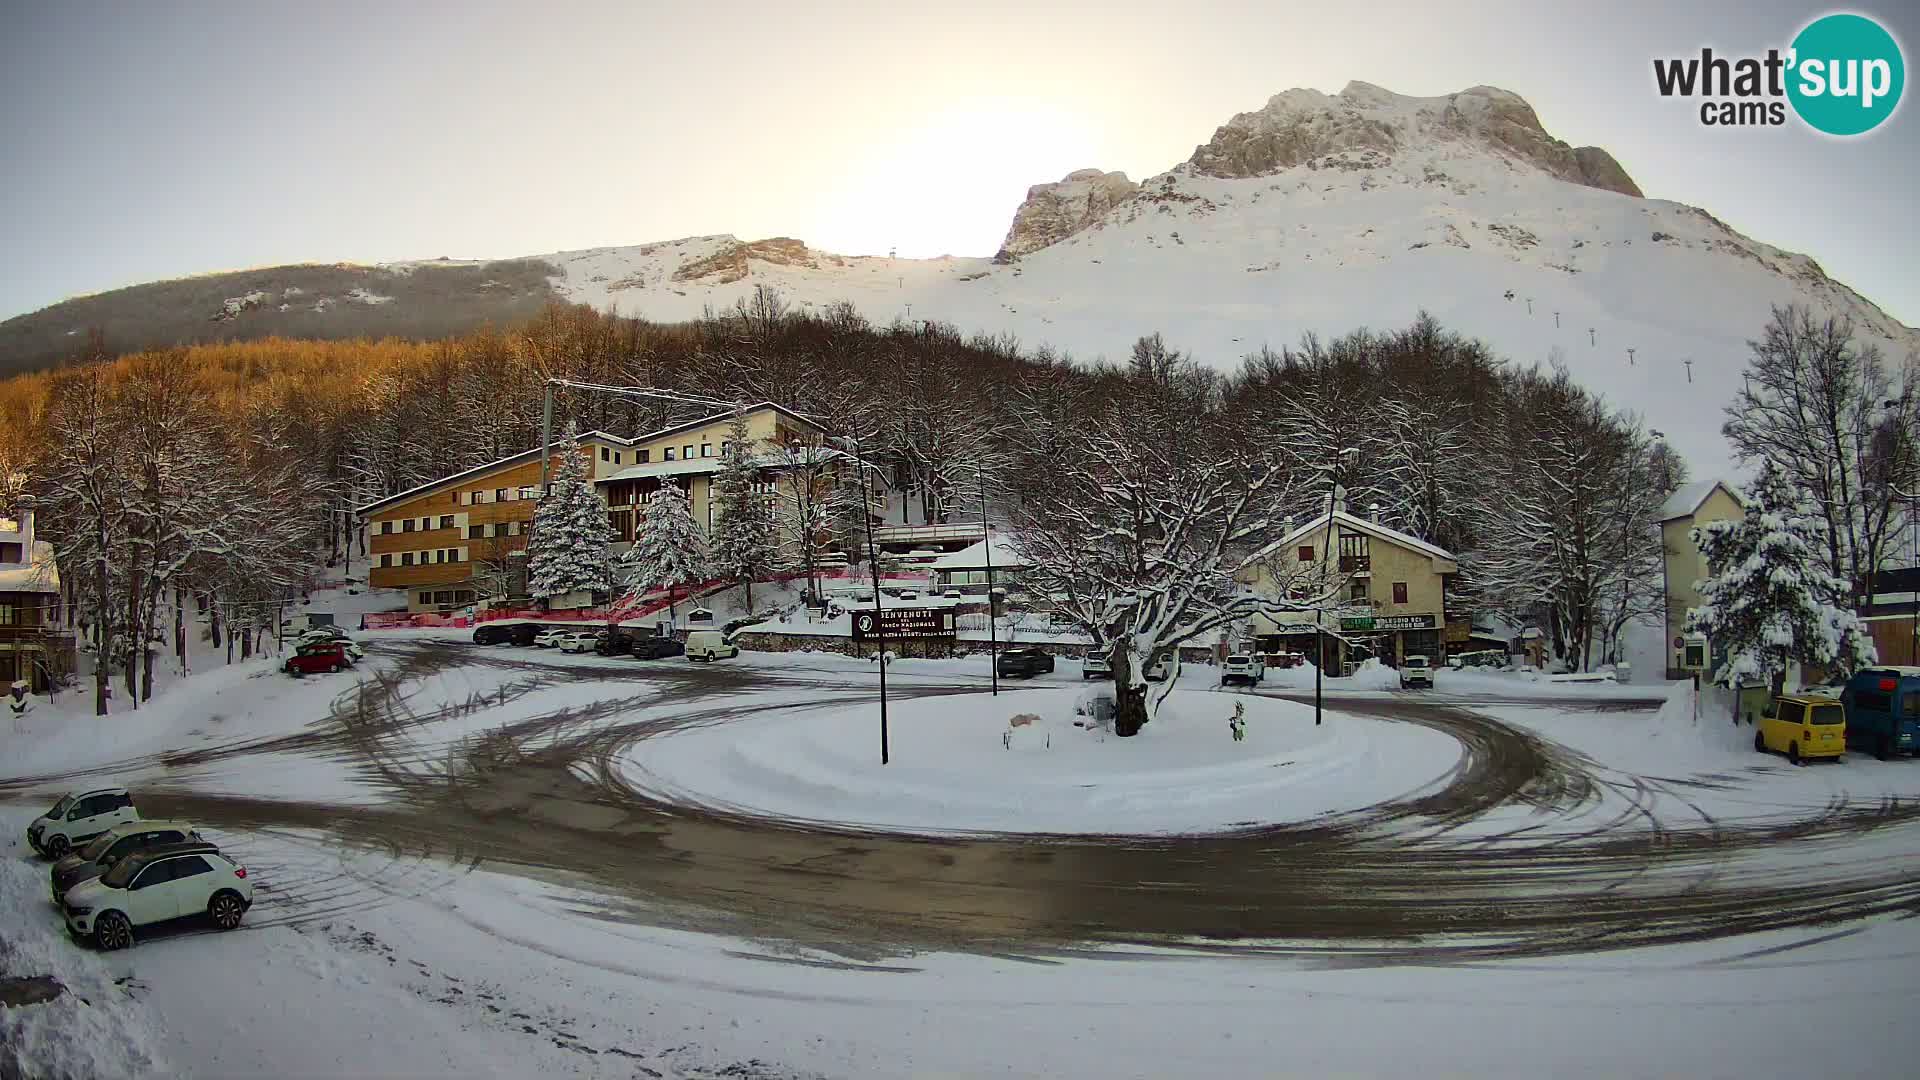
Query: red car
{"points": [[318, 657]]}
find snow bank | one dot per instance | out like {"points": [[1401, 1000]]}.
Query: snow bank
{"points": [[97, 1027], [958, 765]]}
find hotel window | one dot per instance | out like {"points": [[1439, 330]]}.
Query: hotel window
{"points": [[1357, 589], [641, 457], [446, 521], [475, 532], [9, 615], [479, 496], [499, 494], [386, 527], [606, 454], [686, 452], [456, 498], [406, 558], [386, 560], [666, 454], [706, 449], [1399, 592], [616, 457], [406, 526], [1305, 554]]}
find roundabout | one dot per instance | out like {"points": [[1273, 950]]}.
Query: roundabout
{"points": [[747, 800], [1036, 761]]}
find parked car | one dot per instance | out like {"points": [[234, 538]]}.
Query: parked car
{"points": [[1163, 667], [953, 594], [78, 818], [657, 648], [1803, 726], [1024, 662], [324, 634], [1416, 671], [1883, 710], [578, 641], [322, 656], [523, 634], [492, 634], [710, 645], [158, 885], [1095, 666], [551, 637], [1243, 668], [101, 852], [613, 643]]}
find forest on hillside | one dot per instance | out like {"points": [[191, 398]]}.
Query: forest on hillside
{"points": [[224, 472]]}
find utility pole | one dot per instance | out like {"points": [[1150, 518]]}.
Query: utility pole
{"points": [[546, 438], [1689, 364], [1556, 320], [873, 561], [1630, 353], [1529, 305], [1320, 607], [986, 544], [1590, 338]]}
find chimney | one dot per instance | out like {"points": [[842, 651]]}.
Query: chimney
{"points": [[24, 510]]}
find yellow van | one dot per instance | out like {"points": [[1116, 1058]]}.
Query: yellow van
{"points": [[1804, 726]]}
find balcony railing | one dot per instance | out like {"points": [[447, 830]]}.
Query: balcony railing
{"points": [[1356, 564]]}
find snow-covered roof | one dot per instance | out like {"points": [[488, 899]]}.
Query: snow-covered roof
{"points": [[480, 470], [716, 418], [1372, 528], [681, 467], [1687, 499], [39, 576], [974, 557]]}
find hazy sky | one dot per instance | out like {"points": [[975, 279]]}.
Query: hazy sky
{"points": [[150, 140]]}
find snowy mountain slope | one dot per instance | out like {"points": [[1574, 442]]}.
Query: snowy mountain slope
{"points": [[1315, 213], [1373, 206]]}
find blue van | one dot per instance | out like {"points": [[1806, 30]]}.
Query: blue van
{"points": [[1883, 710]]}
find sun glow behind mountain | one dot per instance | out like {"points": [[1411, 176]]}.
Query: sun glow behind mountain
{"points": [[948, 183]]}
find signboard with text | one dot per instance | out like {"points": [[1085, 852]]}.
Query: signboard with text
{"points": [[902, 623], [1388, 622]]}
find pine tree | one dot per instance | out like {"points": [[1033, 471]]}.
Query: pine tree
{"points": [[670, 552], [743, 538], [567, 551], [1769, 599]]}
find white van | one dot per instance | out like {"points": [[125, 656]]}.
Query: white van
{"points": [[710, 645]]}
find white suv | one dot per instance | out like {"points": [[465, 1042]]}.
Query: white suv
{"points": [[1416, 671], [78, 818], [577, 641], [1243, 668], [158, 885]]}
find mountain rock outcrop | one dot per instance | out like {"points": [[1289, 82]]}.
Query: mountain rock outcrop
{"points": [[1053, 212], [1301, 126]]}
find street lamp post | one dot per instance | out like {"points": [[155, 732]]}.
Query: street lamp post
{"points": [[986, 545], [1320, 608], [873, 561], [1903, 452]]}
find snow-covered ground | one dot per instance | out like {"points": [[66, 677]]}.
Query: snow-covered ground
{"points": [[952, 771], [364, 960]]}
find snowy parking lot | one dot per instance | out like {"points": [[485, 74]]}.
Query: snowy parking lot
{"points": [[500, 861]]}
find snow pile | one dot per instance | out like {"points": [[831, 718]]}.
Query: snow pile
{"points": [[368, 297], [96, 1028], [1018, 763]]}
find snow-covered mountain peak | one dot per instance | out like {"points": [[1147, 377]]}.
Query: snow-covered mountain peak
{"points": [[1298, 127]]}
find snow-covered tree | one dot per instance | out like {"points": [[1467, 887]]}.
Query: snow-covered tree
{"points": [[567, 551], [670, 551], [1769, 600], [744, 543], [1814, 403], [813, 498], [1142, 539]]}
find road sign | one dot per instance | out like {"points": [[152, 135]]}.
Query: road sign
{"points": [[902, 623]]}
